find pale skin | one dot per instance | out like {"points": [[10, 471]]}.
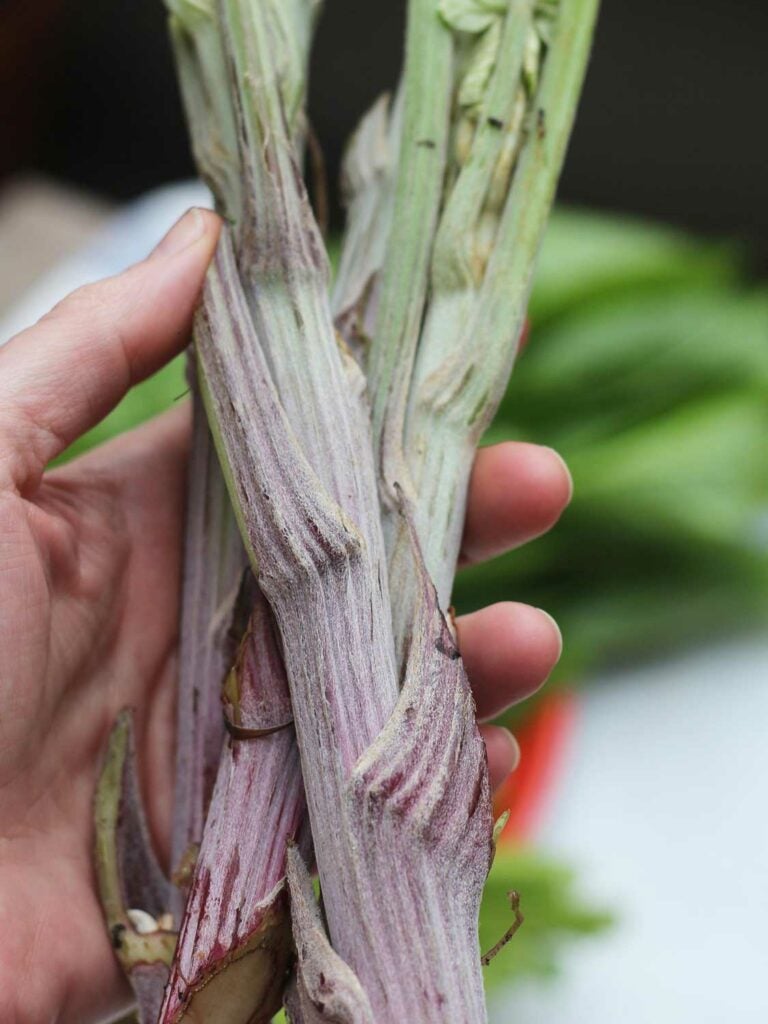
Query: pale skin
{"points": [[90, 560]]}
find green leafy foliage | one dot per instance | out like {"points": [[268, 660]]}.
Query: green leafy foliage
{"points": [[588, 256], [647, 369]]}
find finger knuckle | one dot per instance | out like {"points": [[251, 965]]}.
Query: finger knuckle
{"points": [[88, 302]]}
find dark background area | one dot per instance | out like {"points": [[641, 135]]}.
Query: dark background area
{"points": [[671, 124]]}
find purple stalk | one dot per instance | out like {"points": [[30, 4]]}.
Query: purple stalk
{"points": [[214, 564], [399, 803], [235, 945]]}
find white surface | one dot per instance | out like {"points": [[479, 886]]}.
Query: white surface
{"points": [[126, 238], [662, 806]]}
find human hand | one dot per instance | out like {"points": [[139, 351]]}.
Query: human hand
{"points": [[90, 557]]}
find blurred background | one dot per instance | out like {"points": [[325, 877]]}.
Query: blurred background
{"points": [[637, 837], [670, 124]]}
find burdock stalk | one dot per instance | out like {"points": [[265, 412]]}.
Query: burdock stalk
{"points": [[288, 415], [346, 454], [214, 566]]}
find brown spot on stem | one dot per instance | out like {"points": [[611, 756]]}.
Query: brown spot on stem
{"points": [[116, 933], [450, 650]]}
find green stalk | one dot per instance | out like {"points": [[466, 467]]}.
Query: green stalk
{"points": [[486, 246], [418, 194], [135, 895]]}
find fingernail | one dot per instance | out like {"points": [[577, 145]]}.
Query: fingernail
{"points": [[515, 746], [185, 232], [566, 470], [557, 630]]}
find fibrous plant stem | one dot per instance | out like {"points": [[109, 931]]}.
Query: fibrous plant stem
{"points": [[346, 463]]}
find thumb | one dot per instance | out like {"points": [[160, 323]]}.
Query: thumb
{"points": [[64, 374]]}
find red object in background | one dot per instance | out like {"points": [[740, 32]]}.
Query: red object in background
{"points": [[543, 739]]}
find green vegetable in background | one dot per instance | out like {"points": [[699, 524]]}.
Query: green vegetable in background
{"points": [[652, 385]]}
